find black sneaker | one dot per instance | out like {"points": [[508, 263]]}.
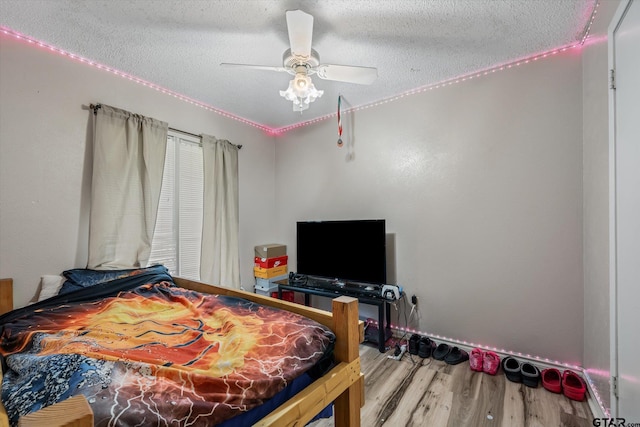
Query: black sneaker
{"points": [[425, 347], [413, 344]]}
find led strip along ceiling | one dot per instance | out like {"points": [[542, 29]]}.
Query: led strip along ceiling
{"points": [[455, 80], [132, 78], [282, 130]]}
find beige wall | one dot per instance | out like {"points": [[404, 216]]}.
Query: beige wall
{"points": [[481, 183], [45, 170]]}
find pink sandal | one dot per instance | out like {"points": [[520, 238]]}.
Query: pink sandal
{"points": [[491, 363], [475, 359]]}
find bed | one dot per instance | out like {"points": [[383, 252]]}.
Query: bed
{"points": [[72, 324]]}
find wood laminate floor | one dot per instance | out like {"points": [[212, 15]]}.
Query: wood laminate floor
{"points": [[428, 392]]}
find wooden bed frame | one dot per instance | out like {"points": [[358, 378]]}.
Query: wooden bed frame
{"points": [[343, 385]]}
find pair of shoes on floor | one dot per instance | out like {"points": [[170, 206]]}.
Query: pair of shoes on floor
{"points": [[451, 355], [422, 346], [517, 372], [484, 361], [570, 383]]}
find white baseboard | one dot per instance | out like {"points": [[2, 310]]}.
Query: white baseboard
{"points": [[595, 404]]}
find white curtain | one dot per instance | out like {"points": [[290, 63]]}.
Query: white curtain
{"points": [[220, 260], [128, 161]]}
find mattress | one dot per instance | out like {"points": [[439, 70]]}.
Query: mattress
{"points": [[144, 351]]}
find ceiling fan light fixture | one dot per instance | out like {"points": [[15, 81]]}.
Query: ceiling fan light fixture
{"points": [[301, 92], [301, 82], [302, 61]]}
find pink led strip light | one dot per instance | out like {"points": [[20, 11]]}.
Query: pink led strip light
{"points": [[471, 344], [282, 130], [585, 372], [438, 85], [591, 19], [132, 78]]}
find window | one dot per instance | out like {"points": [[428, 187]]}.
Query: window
{"points": [[178, 233]]}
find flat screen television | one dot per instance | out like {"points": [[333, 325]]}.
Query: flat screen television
{"points": [[350, 250]]}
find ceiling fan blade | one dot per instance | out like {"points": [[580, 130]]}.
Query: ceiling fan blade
{"points": [[255, 67], [300, 26], [347, 73]]}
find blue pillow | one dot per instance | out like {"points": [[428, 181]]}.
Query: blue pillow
{"points": [[80, 278]]}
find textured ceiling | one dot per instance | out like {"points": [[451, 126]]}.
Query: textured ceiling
{"points": [[179, 44]]}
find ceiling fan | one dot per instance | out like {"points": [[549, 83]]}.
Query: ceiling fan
{"points": [[301, 61]]}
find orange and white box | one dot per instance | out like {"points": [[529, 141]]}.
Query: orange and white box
{"points": [[268, 273]]}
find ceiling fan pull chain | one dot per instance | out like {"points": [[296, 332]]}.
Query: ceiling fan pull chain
{"points": [[339, 124]]}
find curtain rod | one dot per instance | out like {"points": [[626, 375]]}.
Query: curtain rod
{"points": [[96, 107]]}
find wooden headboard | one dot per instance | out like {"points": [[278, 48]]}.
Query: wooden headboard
{"points": [[6, 295]]}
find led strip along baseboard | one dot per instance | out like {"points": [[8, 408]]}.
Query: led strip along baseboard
{"points": [[594, 399]]}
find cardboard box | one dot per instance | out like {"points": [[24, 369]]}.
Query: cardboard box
{"points": [[266, 284], [270, 262], [270, 250], [268, 273]]}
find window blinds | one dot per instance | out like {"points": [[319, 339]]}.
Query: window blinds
{"points": [[178, 233]]}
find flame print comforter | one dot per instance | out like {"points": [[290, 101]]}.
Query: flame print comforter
{"points": [[145, 352]]}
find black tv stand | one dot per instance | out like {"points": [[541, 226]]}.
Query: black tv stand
{"points": [[332, 288]]}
